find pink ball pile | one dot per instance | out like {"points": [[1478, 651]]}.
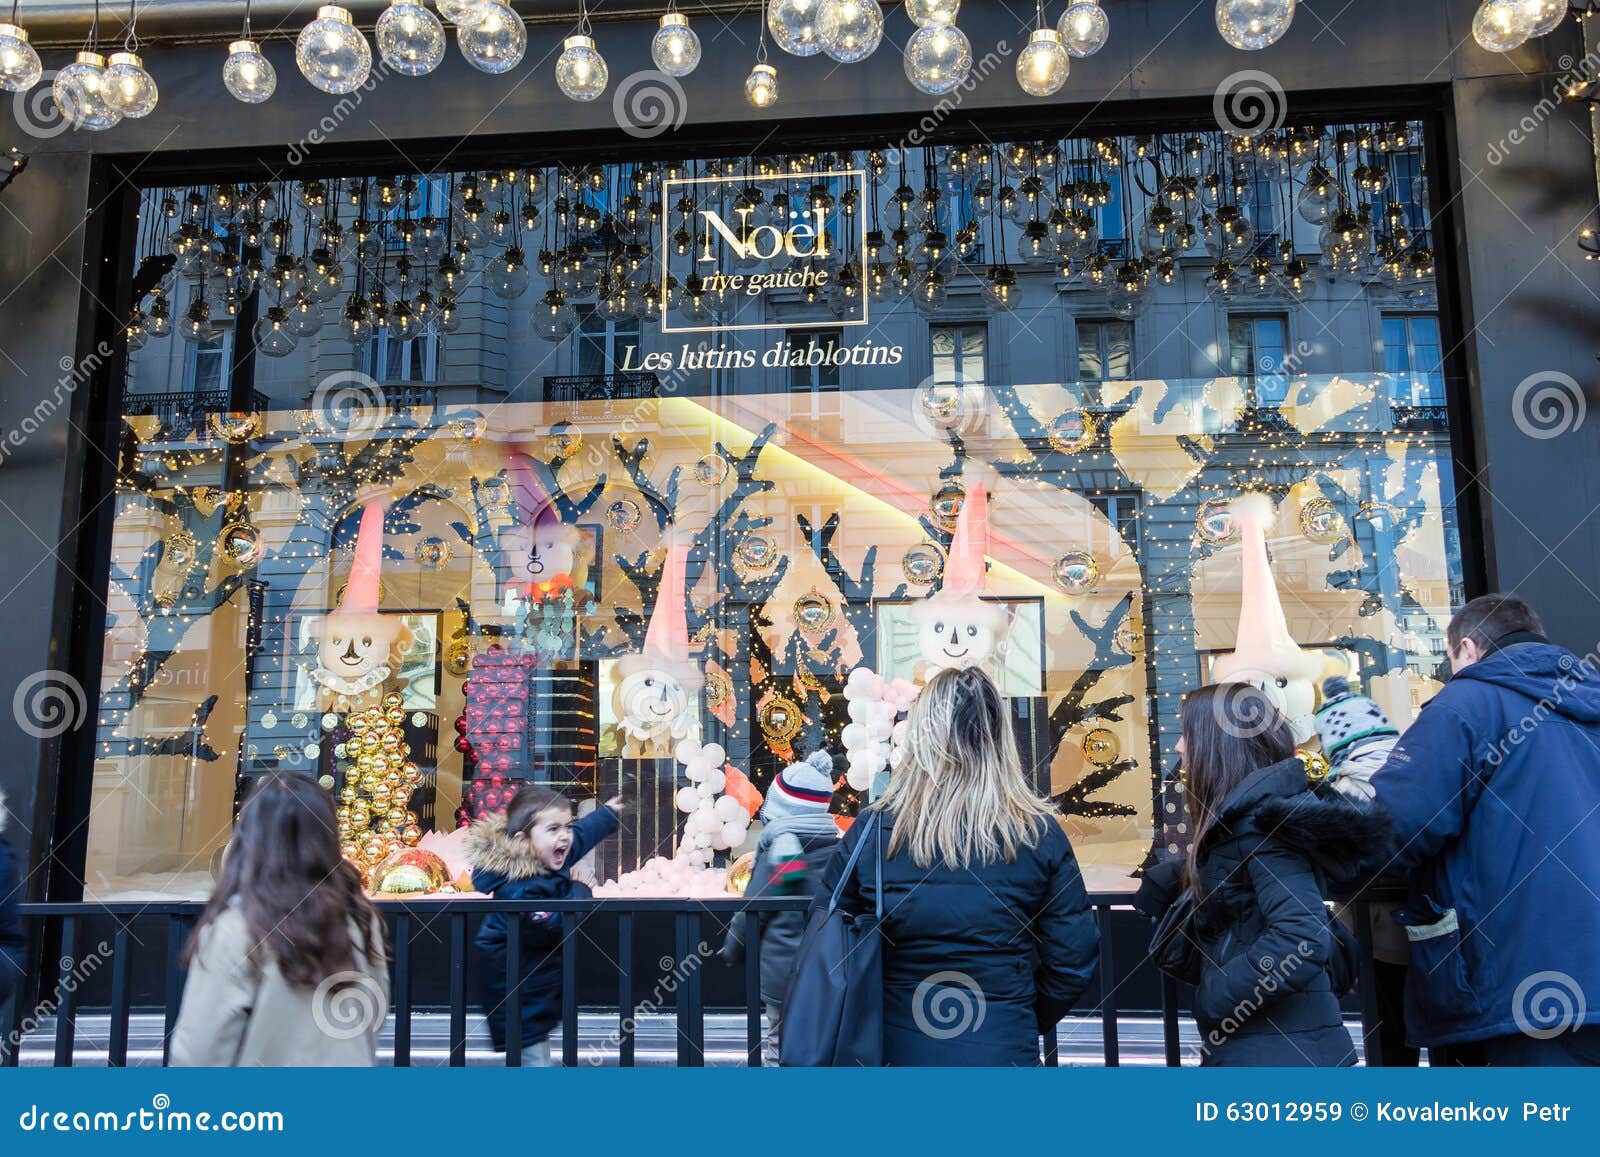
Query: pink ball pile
{"points": [[663, 877]]}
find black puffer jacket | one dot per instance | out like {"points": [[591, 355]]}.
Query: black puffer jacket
{"points": [[1264, 937], [976, 961]]}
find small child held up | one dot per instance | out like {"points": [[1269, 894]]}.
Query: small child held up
{"points": [[1357, 738], [526, 853]]}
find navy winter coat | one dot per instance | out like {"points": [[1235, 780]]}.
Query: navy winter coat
{"points": [[1495, 797], [977, 962], [509, 870], [780, 932], [1264, 938]]}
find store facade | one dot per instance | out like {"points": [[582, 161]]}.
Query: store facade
{"points": [[688, 420]]}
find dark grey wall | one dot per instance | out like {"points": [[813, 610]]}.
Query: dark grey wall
{"points": [[1532, 302]]}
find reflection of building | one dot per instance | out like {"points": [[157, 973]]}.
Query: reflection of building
{"points": [[1192, 394]]}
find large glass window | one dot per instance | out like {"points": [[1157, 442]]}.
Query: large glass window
{"points": [[771, 371]]}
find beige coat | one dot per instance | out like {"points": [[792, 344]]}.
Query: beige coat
{"points": [[239, 1014]]}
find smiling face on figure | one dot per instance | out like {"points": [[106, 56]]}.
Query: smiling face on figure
{"points": [[540, 552], [355, 644], [1287, 690], [958, 630], [652, 703]]}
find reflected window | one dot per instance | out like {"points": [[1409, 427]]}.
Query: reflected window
{"points": [[391, 359], [209, 361], [1121, 513], [599, 346], [959, 354], [1105, 350], [1257, 349], [1408, 184], [1411, 352]]}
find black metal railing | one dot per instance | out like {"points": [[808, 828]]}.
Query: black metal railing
{"points": [[182, 412], [63, 924], [601, 387]]}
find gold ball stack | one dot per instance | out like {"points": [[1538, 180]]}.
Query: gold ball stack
{"points": [[374, 821]]}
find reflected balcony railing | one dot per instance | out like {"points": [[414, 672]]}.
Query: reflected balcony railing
{"points": [[601, 387], [184, 412]]}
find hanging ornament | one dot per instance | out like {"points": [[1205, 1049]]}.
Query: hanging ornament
{"points": [[20, 67], [781, 719], [675, 47], [1130, 636], [926, 12], [411, 40], [938, 59], [794, 26], [624, 515], [718, 687], [235, 429], [581, 71], [458, 658], [945, 505], [1101, 747], [564, 441], [1253, 24], [761, 86], [432, 553], [711, 470], [755, 555], [1084, 28], [332, 53], [1042, 68], [813, 611], [1320, 521], [850, 30], [1072, 432], [1076, 572], [241, 543], [1214, 522], [923, 563], [82, 93], [179, 548], [495, 40]]}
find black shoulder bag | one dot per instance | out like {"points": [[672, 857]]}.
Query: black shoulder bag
{"points": [[833, 1017]]}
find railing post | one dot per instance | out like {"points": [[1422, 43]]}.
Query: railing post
{"points": [[1169, 1021], [625, 1010], [179, 928], [1371, 1035], [402, 991], [117, 1046], [513, 1001], [569, 989], [690, 1013], [1108, 988], [67, 994], [752, 988], [458, 990]]}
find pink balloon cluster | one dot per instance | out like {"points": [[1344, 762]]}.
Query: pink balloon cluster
{"points": [[716, 822], [876, 705], [660, 876]]}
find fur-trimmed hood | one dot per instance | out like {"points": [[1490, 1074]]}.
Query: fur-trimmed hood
{"points": [[1343, 837], [491, 849]]}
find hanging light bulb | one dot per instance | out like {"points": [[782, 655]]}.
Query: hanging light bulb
{"points": [[761, 86], [332, 53], [1253, 24], [581, 70], [20, 68], [1542, 17], [851, 30], [247, 74], [793, 24], [464, 13], [938, 58], [509, 277], [496, 41], [1500, 25], [1084, 28], [926, 12], [675, 47], [410, 38], [1043, 65], [129, 86], [82, 93], [272, 333]]}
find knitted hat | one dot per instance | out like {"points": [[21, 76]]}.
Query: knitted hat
{"points": [[800, 787], [1346, 721]]}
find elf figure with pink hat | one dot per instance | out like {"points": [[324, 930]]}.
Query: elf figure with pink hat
{"points": [[657, 694], [1265, 654], [361, 649], [956, 626], [539, 567]]}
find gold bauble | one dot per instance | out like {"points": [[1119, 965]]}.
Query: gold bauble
{"points": [[358, 723], [412, 773], [392, 778], [395, 716], [391, 700], [1101, 747], [348, 793], [411, 833]]}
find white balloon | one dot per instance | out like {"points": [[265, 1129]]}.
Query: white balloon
{"points": [[896, 756], [701, 840], [704, 790], [686, 751], [687, 799], [900, 731], [859, 677], [729, 809], [853, 735], [860, 710], [714, 754], [696, 768], [859, 780], [879, 729], [733, 833], [878, 761], [715, 779]]}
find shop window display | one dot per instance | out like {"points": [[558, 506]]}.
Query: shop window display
{"points": [[591, 526]]}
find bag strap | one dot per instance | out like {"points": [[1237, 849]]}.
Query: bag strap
{"points": [[877, 848], [850, 864]]}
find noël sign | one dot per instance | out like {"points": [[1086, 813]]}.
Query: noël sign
{"points": [[745, 253]]}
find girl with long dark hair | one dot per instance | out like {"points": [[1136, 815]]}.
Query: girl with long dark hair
{"points": [[287, 966], [1264, 953]]}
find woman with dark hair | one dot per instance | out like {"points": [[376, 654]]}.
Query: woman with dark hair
{"points": [[988, 937], [1267, 959], [287, 966]]}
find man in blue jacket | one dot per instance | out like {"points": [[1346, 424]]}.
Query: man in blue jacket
{"points": [[1495, 796]]}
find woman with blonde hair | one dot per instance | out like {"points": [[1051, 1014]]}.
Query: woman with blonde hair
{"points": [[988, 937]]}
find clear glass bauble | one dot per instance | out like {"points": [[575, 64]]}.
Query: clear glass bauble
{"points": [[20, 68], [464, 13], [675, 47], [129, 86], [411, 39], [851, 30], [761, 86], [794, 25], [508, 277], [1043, 65], [83, 96], [304, 315], [273, 336], [1084, 28], [1253, 24], [1500, 25], [938, 58], [1542, 17], [926, 12], [581, 71], [496, 42], [332, 53]]}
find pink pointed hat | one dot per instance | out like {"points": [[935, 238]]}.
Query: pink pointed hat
{"points": [[667, 636], [965, 571], [1264, 647], [532, 501], [361, 591]]}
